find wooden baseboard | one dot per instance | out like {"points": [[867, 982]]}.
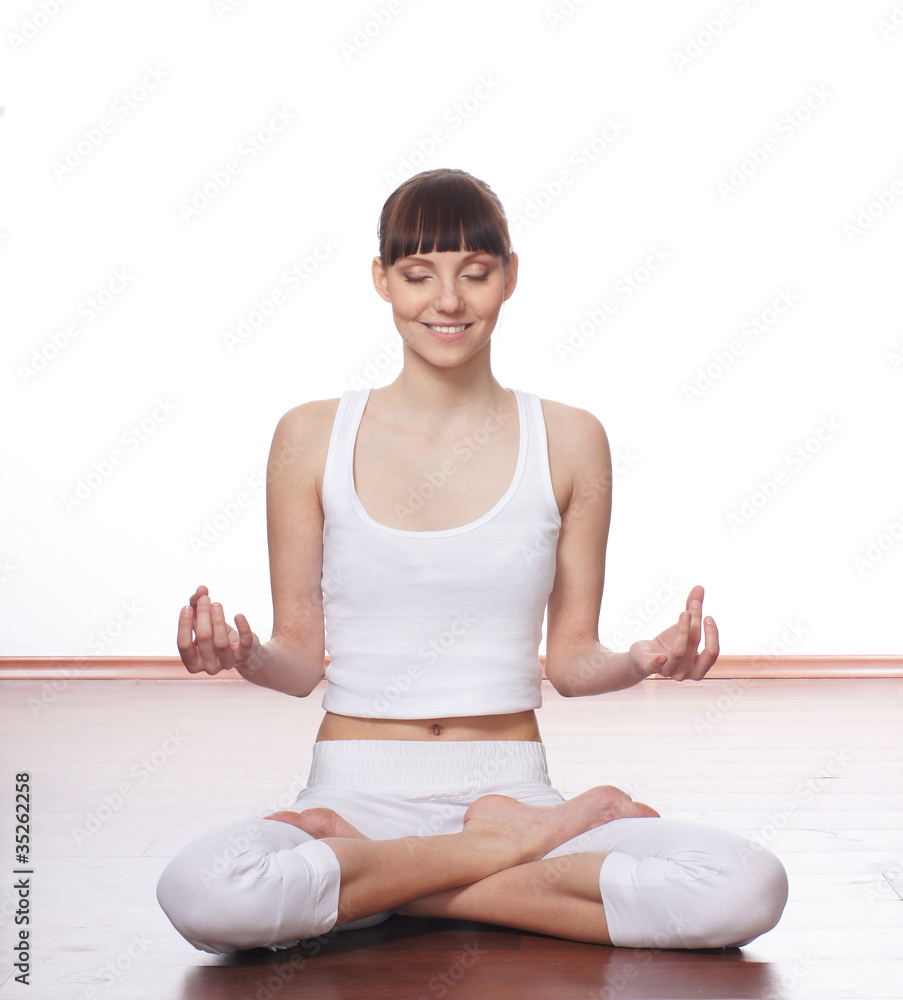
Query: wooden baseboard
{"points": [[171, 668]]}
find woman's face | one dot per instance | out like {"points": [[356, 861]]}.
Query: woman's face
{"points": [[446, 305]]}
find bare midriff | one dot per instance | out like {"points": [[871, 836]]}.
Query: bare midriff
{"points": [[515, 726]]}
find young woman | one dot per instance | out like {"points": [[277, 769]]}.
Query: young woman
{"points": [[428, 524]]}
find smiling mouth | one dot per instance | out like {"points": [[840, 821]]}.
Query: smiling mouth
{"points": [[460, 328]]}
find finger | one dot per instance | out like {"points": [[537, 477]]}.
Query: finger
{"points": [[220, 636], [709, 655], [695, 628], [680, 647], [203, 630], [195, 597], [651, 662], [245, 635], [696, 594], [187, 650], [693, 636]]}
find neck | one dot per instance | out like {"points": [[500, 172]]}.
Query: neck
{"points": [[447, 400]]}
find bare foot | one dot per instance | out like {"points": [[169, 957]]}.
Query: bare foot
{"points": [[536, 830], [319, 823]]}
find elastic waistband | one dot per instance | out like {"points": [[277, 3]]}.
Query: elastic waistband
{"points": [[416, 769]]}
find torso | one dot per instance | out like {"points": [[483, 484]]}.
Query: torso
{"points": [[517, 726], [390, 462]]}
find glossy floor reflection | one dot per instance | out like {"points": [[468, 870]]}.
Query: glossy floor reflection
{"points": [[125, 772]]}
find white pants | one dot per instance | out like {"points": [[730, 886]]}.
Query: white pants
{"points": [[264, 883]]}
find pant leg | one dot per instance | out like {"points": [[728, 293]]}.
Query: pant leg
{"points": [[255, 883], [263, 883], [679, 884]]}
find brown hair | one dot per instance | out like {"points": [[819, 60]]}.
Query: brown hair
{"points": [[440, 210]]}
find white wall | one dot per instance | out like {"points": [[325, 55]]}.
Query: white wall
{"points": [[109, 573]]}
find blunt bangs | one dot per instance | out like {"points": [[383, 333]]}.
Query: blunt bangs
{"points": [[439, 211]]}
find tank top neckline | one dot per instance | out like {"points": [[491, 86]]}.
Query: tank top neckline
{"points": [[442, 532]]}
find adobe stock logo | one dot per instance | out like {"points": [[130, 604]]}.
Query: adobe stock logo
{"points": [[87, 310], [786, 126], [93, 136], [452, 118], [722, 360], [797, 458], [709, 34], [581, 158], [130, 441], [890, 25], [218, 179], [623, 290], [365, 33], [34, 23]]}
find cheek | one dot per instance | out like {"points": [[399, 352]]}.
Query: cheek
{"points": [[488, 299], [408, 301], [407, 310]]}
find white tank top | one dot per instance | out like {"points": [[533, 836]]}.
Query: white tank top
{"points": [[445, 623]]}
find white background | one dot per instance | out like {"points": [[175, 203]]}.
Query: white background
{"points": [[516, 91]]}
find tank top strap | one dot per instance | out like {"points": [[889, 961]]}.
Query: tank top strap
{"points": [[338, 472], [537, 478]]}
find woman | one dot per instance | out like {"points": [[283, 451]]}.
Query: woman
{"points": [[430, 522]]}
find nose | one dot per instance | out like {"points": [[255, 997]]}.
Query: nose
{"points": [[449, 298]]}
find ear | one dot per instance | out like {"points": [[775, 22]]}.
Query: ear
{"points": [[380, 279], [511, 276]]}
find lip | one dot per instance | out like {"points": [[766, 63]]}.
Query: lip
{"points": [[447, 337]]}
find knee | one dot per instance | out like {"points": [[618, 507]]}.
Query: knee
{"points": [[765, 888], [205, 909], [742, 901], [183, 899], [226, 891]]}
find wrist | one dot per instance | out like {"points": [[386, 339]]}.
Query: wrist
{"points": [[635, 661], [592, 668], [258, 656]]}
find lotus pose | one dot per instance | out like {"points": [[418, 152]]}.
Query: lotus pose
{"points": [[419, 531]]}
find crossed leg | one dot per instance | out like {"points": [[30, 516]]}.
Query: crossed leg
{"points": [[499, 834], [559, 897], [667, 884]]}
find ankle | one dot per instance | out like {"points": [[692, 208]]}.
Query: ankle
{"points": [[499, 845]]}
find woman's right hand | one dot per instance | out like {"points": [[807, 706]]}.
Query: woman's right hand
{"points": [[216, 646]]}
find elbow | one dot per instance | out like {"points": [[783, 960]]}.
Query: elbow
{"points": [[290, 663], [307, 691], [571, 664], [308, 680], [559, 682]]}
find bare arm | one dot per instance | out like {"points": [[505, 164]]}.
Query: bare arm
{"points": [[576, 662], [293, 661]]}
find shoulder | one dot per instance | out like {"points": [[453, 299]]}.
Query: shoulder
{"points": [[310, 418], [571, 430], [579, 452], [302, 436]]}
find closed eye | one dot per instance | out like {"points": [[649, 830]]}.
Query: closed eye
{"points": [[472, 277]]}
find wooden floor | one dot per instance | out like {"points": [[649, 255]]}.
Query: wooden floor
{"points": [[125, 772]]}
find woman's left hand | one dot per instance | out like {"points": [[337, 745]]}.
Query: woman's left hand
{"points": [[673, 653]]}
